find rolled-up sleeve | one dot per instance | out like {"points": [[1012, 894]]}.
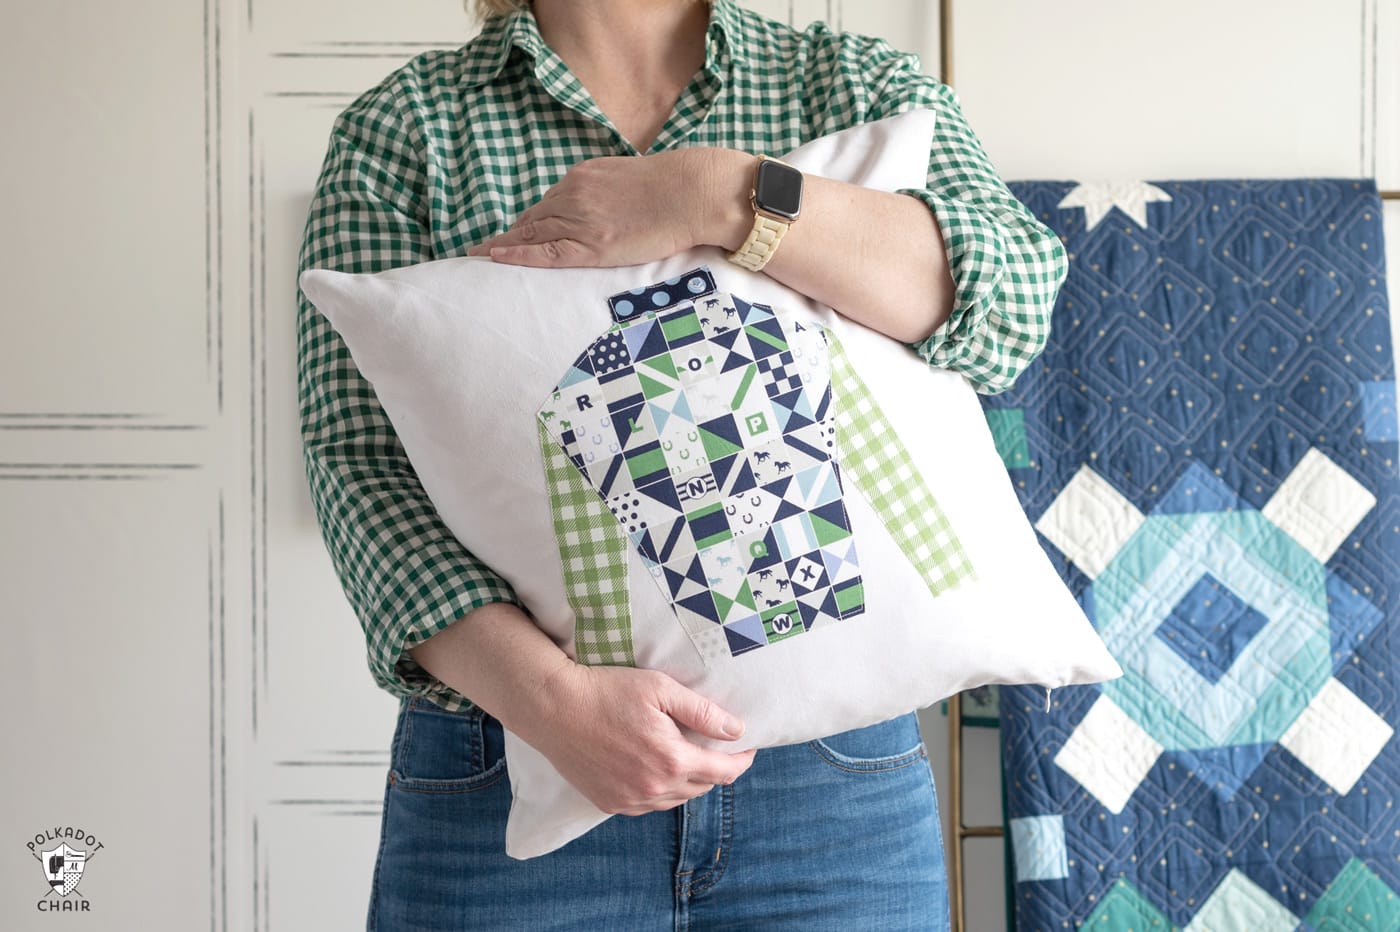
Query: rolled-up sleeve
{"points": [[402, 570], [1007, 266]]}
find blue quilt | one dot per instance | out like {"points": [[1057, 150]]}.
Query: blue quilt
{"points": [[1208, 447]]}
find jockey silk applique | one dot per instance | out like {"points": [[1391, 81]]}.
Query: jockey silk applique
{"points": [[705, 423]]}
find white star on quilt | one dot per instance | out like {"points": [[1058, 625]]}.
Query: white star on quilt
{"points": [[1098, 198]]}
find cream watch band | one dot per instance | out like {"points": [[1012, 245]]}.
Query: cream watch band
{"points": [[762, 242]]}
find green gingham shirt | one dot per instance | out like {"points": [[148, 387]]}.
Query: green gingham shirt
{"points": [[448, 149]]}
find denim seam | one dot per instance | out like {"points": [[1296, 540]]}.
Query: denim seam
{"points": [[712, 875], [372, 921], [481, 781], [945, 920], [378, 861], [874, 765], [681, 880], [405, 741], [476, 738]]}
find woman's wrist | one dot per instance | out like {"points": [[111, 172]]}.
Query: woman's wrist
{"points": [[718, 180]]}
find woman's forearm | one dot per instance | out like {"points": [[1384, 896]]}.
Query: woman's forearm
{"points": [[874, 256], [498, 658]]}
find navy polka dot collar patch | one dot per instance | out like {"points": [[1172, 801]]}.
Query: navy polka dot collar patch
{"points": [[627, 305]]}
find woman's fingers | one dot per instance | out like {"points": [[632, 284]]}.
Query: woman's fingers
{"points": [[555, 253], [676, 798], [606, 211], [714, 767], [526, 232]]}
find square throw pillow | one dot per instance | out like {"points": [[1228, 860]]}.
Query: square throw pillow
{"points": [[689, 467]]}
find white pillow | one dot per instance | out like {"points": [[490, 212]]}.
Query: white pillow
{"points": [[905, 573]]}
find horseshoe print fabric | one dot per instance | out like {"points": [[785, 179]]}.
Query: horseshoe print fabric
{"points": [[706, 425]]}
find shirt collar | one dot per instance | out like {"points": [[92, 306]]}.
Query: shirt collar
{"points": [[727, 29], [489, 51]]}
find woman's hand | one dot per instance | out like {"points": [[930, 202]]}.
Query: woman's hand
{"points": [[612, 732], [613, 210]]}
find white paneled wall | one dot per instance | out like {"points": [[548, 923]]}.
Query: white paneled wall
{"points": [[184, 682]]}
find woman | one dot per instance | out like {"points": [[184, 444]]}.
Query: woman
{"points": [[612, 132]]}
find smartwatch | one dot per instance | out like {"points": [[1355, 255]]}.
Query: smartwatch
{"points": [[776, 197]]}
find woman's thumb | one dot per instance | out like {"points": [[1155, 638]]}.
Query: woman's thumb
{"points": [[692, 709]]}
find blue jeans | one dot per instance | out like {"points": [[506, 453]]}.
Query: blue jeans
{"points": [[838, 833]]}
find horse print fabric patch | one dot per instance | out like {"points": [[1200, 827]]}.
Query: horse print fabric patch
{"points": [[705, 423]]}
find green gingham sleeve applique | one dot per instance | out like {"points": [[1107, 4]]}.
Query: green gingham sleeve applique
{"points": [[1007, 266], [402, 570]]}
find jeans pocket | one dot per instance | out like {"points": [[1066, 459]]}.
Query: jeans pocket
{"points": [[437, 751], [887, 745]]}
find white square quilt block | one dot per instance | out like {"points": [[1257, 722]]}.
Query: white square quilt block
{"points": [[1090, 521], [1337, 736], [1109, 754], [1319, 504]]}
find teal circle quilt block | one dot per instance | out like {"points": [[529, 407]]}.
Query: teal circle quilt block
{"points": [[1265, 597], [706, 424]]}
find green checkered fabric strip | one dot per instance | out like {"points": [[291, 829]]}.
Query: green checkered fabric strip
{"points": [[593, 550], [450, 147], [872, 456]]}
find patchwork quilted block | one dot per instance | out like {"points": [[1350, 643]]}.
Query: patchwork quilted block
{"points": [[706, 423], [1210, 455]]}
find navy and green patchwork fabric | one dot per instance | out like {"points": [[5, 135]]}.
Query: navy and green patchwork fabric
{"points": [[1208, 446], [706, 424]]}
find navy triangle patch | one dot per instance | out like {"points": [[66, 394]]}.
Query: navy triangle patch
{"points": [[701, 604], [738, 643], [833, 512], [674, 580], [696, 573], [786, 509], [789, 400], [744, 479], [721, 467], [642, 539], [726, 429], [797, 421], [779, 486], [653, 345], [733, 360], [663, 491]]}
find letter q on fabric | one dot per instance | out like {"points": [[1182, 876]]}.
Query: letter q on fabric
{"points": [[689, 467]]}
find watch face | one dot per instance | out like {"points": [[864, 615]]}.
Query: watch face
{"points": [[778, 189]]}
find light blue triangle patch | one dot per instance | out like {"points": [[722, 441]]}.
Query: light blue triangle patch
{"points": [[636, 334], [818, 485], [669, 406], [574, 376]]}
